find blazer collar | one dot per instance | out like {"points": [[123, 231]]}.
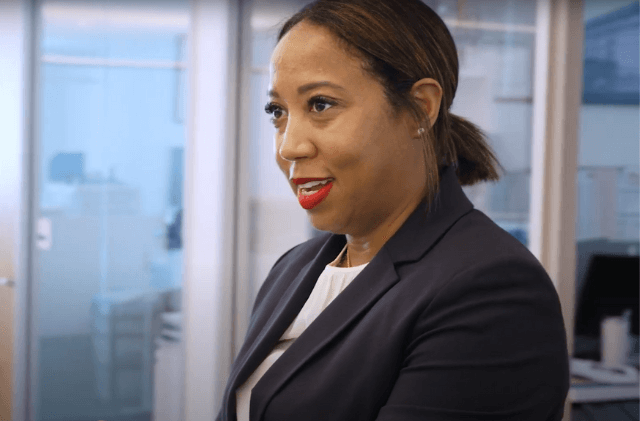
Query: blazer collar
{"points": [[423, 229], [417, 235]]}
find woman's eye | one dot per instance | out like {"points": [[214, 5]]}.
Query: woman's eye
{"points": [[274, 110], [319, 104]]}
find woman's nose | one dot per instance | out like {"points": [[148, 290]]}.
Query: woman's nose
{"points": [[295, 144]]}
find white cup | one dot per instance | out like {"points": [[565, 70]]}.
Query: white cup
{"points": [[614, 341]]}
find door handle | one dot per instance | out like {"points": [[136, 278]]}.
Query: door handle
{"points": [[7, 282]]}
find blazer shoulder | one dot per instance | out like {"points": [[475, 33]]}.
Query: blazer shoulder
{"points": [[477, 253], [476, 239]]}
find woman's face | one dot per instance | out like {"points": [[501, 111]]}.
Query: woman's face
{"points": [[335, 126]]}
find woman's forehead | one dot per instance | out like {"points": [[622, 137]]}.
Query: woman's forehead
{"points": [[309, 53], [305, 38]]}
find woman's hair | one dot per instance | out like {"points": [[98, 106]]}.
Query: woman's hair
{"points": [[401, 42]]}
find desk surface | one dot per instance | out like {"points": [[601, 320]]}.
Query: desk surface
{"points": [[607, 411], [592, 382], [590, 392]]}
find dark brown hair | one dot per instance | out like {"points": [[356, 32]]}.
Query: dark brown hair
{"points": [[401, 42]]}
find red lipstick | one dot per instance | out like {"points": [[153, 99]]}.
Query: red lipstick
{"points": [[310, 201]]}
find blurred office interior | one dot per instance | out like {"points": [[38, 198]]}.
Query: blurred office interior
{"points": [[141, 207]]}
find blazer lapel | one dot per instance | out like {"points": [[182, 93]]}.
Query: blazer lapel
{"points": [[419, 233], [278, 314], [423, 229], [362, 293]]}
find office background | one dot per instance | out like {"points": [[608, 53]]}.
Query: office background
{"points": [[121, 117]]}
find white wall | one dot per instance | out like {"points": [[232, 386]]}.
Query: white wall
{"points": [[12, 130], [14, 60], [209, 216]]}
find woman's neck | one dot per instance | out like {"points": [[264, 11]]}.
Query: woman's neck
{"points": [[363, 248], [342, 261]]}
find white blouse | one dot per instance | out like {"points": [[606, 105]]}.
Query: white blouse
{"points": [[332, 281]]}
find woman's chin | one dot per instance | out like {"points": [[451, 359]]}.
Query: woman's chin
{"points": [[323, 222], [319, 223]]}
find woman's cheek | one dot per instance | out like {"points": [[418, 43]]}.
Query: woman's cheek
{"points": [[343, 152], [284, 166]]}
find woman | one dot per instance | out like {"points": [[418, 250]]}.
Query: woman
{"points": [[413, 305]]}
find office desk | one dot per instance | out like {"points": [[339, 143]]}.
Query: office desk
{"points": [[603, 402], [585, 391], [605, 411]]}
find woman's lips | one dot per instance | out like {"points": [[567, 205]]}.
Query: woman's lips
{"points": [[310, 201]]}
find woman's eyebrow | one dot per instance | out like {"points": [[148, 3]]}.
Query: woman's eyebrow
{"points": [[309, 86]]}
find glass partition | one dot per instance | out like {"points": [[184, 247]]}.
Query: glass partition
{"points": [[495, 42], [608, 175], [108, 271]]}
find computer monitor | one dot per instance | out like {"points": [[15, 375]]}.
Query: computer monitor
{"points": [[611, 286]]}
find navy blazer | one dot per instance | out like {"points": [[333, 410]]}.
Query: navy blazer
{"points": [[453, 319]]}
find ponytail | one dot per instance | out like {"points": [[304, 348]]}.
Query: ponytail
{"points": [[455, 141], [476, 161]]}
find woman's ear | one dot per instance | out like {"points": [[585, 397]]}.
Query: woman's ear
{"points": [[428, 94]]}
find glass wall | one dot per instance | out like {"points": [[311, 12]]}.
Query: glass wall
{"points": [[607, 234], [495, 42], [110, 140]]}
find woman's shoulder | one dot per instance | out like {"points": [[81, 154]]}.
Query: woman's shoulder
{"points": [[481, 274], [476, 253], [476, 239]]}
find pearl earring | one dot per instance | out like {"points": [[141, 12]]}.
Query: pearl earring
{"points": [[420, 130]]}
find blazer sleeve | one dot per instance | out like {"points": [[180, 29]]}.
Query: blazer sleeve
{"points": [[490, 346]]}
